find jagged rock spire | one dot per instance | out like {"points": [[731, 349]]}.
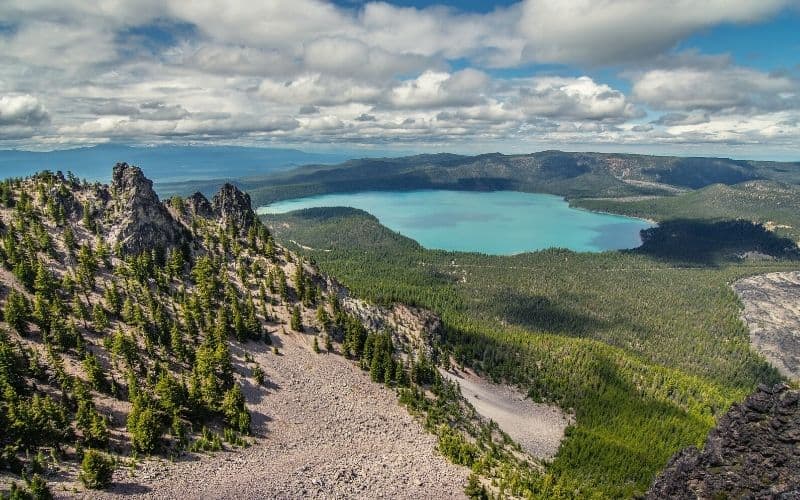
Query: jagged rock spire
{"points": [[233, 207], [199, 206], [141, 221]]}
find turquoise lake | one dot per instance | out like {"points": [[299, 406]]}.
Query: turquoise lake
{"points": [[499, 222]]}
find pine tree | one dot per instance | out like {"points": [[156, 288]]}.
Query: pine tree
{"points": [[221, 327], [17, 312], [99, 318], [43, 283], [251, 320], [235, 410], [97, 470], [323, 318], [296, 322], [239, 328], [145, 426], [299, 280], [283, 287], [69, 238], [176, 342]]}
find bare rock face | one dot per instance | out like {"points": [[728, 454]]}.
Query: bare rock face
{"points": [[754, 452], [233, 207], [199, 206], [141, 222], [772, 313]]}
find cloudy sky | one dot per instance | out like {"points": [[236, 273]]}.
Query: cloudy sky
{"points": [[662, 76]]}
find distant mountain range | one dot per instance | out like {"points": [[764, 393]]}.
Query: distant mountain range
{"points": [[570, 174], [165, 163]]}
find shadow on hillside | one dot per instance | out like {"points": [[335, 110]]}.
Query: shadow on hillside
{"points": [[696, 173], [542, 314], [709, 243], [129, 488]]}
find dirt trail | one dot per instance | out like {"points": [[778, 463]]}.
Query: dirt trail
{"points": [[325, 431], [772, 313], [538, 428]]}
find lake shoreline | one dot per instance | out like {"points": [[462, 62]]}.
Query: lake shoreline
{"points": [[488, 222]]}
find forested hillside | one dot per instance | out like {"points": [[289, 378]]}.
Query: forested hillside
{"points": [[120, 316], [645, 346], [119, 312], [775, 205]]}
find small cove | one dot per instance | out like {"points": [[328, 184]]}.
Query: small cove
{"points": [[497, 222]]}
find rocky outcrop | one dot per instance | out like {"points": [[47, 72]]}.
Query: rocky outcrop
{"points": [[754, 452], [772, 314], [141, 222], [233, 207], [199, 206]]}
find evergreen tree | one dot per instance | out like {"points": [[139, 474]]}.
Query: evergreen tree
{"points": [[235, 410], [221, 326], [251, 320], [145, 426], [97, 470], [323, 318], [17, 312], [99, 318], [296, 322], [176, 342], [239, 328], [43, 283]]}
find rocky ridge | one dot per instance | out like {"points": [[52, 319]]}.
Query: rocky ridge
{"points": [[753, 452], [232, 207], [139, 221], [320, 426]]}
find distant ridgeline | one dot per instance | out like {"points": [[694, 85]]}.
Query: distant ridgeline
{"points": [[165, 163], [654, 187], [574, 175]]}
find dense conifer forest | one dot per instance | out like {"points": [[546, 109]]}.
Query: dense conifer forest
{"points": [[645, 346]]}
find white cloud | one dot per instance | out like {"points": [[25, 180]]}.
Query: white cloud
{"points": [[574, 98], [613, 31], [316, 89], [433, 88], [309, 70], [22, 110], [690, 88]]}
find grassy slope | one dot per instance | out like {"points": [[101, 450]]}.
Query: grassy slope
{"points": [[645, 351]]}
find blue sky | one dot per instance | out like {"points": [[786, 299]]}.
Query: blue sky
{"points": [[684, 77]]}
